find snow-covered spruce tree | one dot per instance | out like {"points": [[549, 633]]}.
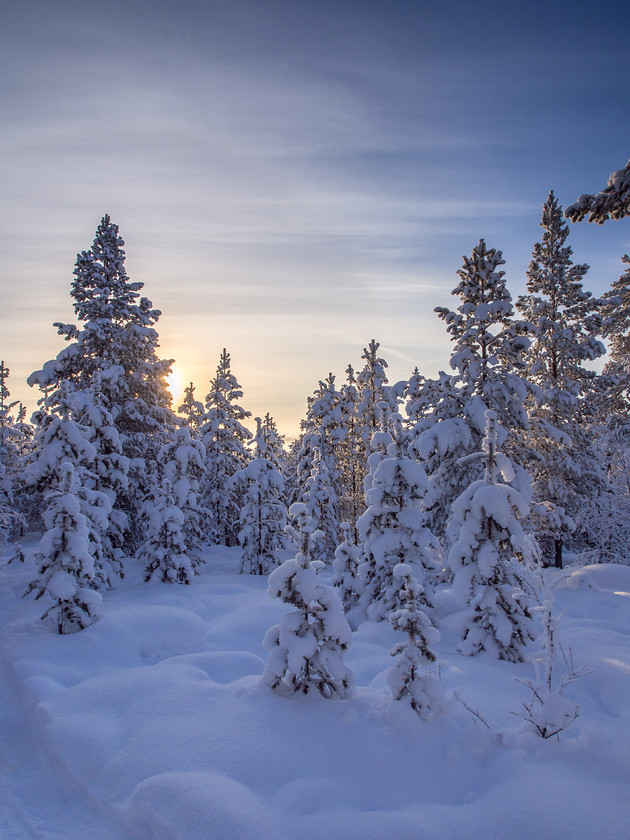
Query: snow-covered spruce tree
{"points": [[224, 437], [378, 448], [492, 557], [263, 514], [346, 569], [115, 340], [191, 411], [62, 441], [487, 359], [31, 493], [616, 328], [10, 461], [603, 523], [613, 202], [374, 406], [67, 574], [428, 401], [25, 431], [418, 398], [409, 679], [164, 551], [290, 471], [321, 439], [306, 649], [436, 430], [108, 474], [321, 500], [274, 443], [565, 321], [183, 460], [351, 464], [373, 392], [393, 531]]}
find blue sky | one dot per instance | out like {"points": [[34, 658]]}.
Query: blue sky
{"points": [[293, 178]]}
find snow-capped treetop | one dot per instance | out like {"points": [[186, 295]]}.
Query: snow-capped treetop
{"points": [[564, 317], [222, 400], [192, 410], [482, 328], [116, 341], [325, 413], [273, 442], [319, 455], [223, 433], [373, 392], [183, 456]]}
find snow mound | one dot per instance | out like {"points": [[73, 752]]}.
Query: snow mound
{"points": [[607, 577], [181, 806]]}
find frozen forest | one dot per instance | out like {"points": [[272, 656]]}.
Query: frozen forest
{"points": [[411, 621]]}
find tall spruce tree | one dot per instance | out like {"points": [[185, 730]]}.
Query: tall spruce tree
{"points": [[183, 460], [263, 514], [605, 520], [164, 550], [374, 407], [274, 443], [488, 364], [116, 343], [565, 321], [352, 467], [321, 501], [322, 434], [191, 410], [616, 328], [224, 437]]}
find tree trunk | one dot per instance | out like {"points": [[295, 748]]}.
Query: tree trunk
{"points": [[557, 545]]}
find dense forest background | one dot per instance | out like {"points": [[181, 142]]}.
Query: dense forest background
{"points": [[516, 454]]}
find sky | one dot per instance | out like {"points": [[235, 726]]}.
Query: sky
{"points": [[293, 178]]}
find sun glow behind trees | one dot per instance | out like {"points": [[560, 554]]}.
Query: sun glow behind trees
{"points": [[272, 204], [175, 384]]}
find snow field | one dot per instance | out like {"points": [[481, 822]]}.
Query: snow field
{"points": [[158, 727]]}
